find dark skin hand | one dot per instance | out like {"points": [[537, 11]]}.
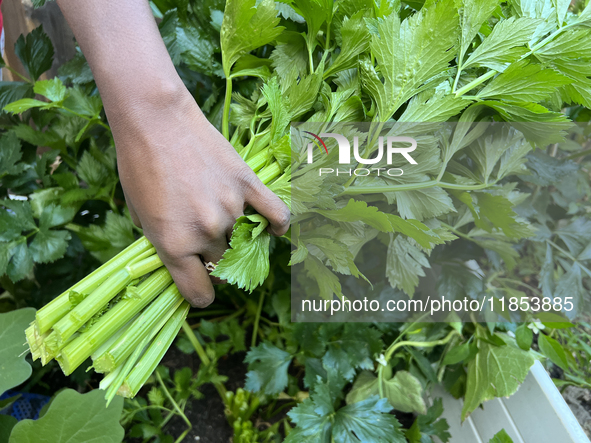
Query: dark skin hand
{"points": [[185, 185]]}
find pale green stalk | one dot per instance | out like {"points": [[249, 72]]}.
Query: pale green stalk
{"points": [[226, 111], [49, 348], [110, 378], [146, 254], [106, 345], [49, 314], [270, 172], [144, 368], [129, 364], [259, 160], [259, 142], [148, 324], [99, 298], [35, 341], [418, 344], [75, 353]]}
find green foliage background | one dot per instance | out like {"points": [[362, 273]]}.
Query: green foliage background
{"points": [[521, 215]]}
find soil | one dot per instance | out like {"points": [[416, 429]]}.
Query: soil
{"points": [[406, 419], [579, 401], [208, 419], [207, 414]]}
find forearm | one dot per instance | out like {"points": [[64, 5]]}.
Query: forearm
{"points": [[124, 49]]}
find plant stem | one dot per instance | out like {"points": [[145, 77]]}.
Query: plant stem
{"points": [[124, 371], [356, 190], [51, 313], [202, 355], [270, 172], [196, 345], [578, 154], [226, 115], [310, 60], [98, 299], [455, 85], [259, 160], [568, 255], [520, 283], [19, 75], [74, 354], [492, 72], [171, 399], [89, 119], [156, 350], [148, 324], [143, 267], [257, 319], [67, 326], [207, 313], [417, 344], [456, 231], [234, 314], [476, 82]]}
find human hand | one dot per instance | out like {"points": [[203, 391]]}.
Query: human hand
{"points": [[185, 185]]}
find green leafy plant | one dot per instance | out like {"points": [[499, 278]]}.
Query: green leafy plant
{"points": [[519, 214]]}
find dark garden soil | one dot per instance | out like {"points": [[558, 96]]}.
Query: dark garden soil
{"points": [[207, 414], [579, 401]]}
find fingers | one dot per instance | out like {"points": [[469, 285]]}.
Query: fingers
{"points": [[266, 203], [192, 279]]}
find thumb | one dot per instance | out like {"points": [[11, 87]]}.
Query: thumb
{"points": [[192, 279]]}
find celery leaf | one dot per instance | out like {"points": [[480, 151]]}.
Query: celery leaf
{"points": [[267, 366], [246, 263], [410, 53], [505, 44], [523, 82], [10, 155], [247, 25]]}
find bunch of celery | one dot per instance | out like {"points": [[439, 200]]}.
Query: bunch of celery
{"points": [[126, 314]]}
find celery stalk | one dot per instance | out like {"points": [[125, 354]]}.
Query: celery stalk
{"points": [[91, 305], [48, 315], [35, 341], [110, 378], [146, 365], [147, 324], [76, 352], [102, 295], [49, 350], [143, 256], [127, 368], [259, 160], [106, 345], [269, 173], [143, 267]]}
